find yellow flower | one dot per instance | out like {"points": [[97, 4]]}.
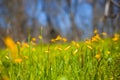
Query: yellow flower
{"points": [[75, 44], [9, 42], [95, 31], [58, 38], [33, 49], [12, 46], [52, 40], [97, 56], [18, 43], [88, 42], [68, 47], [7, 57], [75, 51], [25, 45], [55, 48], [40, 37], [96, 38], [47, 51], [64, 39], [19, 60], [108, 52], [25, 57], [89, 47], [33, 39], [116, 37], [59, 48], [33, 43], [104, 33]]}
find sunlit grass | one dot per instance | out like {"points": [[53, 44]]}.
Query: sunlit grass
{"points": [[93, 59]]}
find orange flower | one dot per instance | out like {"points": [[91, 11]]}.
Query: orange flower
{"points": [[12, 46], [96, 38], [19, 60], [9, 42], [115, 39]]}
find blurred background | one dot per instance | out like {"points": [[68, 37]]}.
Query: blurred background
{"points": [[72, 19]]}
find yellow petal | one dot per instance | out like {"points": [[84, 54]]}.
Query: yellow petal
{"points": [[97, 56]]}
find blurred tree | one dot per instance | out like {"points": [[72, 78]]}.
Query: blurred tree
{"points": [[21, 18], [15, 18]]}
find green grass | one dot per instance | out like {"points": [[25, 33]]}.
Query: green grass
{"points": [[55, 62]]}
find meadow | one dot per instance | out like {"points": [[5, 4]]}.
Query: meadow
{"points": [[93, 59]]}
